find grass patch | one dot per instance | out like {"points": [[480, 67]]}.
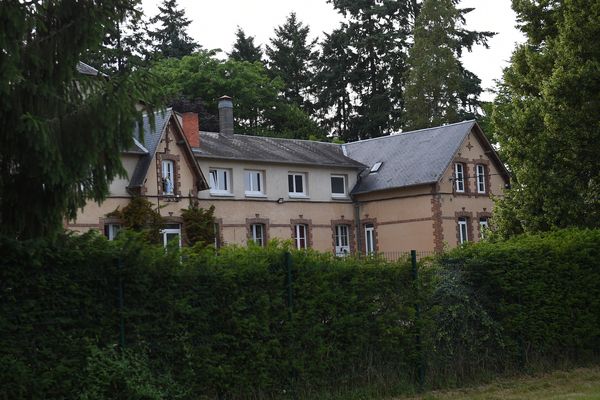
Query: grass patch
{"points": [[580, 384]]}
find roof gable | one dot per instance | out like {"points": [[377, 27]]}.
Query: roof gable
{"points": [[149, 141]]}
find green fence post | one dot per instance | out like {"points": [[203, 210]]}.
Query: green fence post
{"points": [[121, 306], [415, 277]]}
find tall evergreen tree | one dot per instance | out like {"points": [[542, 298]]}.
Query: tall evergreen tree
{"points": [[125, 46], [170, 37], [332, 79], [62, 131], [291, 57], [439, 89], [378, 33], [547, 118], [244, 48]]}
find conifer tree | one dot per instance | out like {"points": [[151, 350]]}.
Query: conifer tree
{"points": [[439, 89], [547, 118], [62, 131], [125, 46], [291, 57], [170, 37], [244, 48]]}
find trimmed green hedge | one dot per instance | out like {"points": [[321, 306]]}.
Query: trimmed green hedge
{"points": [[199, 325]]}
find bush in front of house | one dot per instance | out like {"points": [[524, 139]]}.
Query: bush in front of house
{"points": [[196, 324]]}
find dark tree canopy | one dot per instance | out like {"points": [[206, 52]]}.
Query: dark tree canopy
{"points": [[291, 57], [126, 45], [244, 48], [439, 89], [547, 118], [259, 109], [62, 131], [170, 37]]}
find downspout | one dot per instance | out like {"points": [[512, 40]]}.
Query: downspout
{"points": [[357, 224]]}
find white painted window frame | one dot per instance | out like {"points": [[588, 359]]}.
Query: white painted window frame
{"points": [[459, 177], [484, 225], [342, 240], [480, 168], [463, 229], [339, 195], [220, 181], [301, 233], [295, 192], [258, 234], [254, 183], [170, 231], [168, 176], [369, 239]]}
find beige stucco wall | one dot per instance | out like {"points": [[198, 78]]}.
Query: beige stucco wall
{"points": [[470, 154], [93, 214], [318, 179]]}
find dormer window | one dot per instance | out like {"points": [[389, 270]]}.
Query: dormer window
{"points": [[168, 177], [375, 168]]}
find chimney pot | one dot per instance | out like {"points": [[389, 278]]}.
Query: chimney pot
{"points": [[226, 115]]}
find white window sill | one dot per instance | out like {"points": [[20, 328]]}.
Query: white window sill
{"points": [[255, 194], [221, 194], [339, 197], [297, 196]]}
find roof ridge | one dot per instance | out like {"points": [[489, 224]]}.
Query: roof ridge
{"points": [[409, 132], [274, 138]]}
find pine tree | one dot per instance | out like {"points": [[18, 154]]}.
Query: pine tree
{"points": [[244, 48], [126, 46], [547, 118], [291, 58], [377, 33], [439, 89], [62, 131], [332, 79], [170, 37]]}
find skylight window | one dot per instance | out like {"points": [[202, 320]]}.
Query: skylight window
{"points": [[376, 166]]}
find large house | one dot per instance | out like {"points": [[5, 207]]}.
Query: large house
{"points": [[421, 190]]}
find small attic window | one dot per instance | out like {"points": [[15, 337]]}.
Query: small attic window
{"points": [[376, 166]]}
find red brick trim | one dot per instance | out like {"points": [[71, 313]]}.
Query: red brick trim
{"points": [[469, 216], [363, 223], [257, 220], [487, 180], [302, 221], [466, 176], [351, 239], [438, 231]]}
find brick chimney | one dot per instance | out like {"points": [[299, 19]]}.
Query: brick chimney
{"points": [[226, 115], [191, 128]]}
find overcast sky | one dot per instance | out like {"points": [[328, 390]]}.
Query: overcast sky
{"points": [[214, 24]]}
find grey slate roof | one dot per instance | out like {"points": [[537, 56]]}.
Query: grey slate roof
{"points": [[150, 140], [260, 148], [410, 158]]}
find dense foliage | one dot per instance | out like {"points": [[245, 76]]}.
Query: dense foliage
{"points": [[547, 121], [439, 90], [199, 224], [244, 48], [62, 131], [170, 37], [201, 325]]}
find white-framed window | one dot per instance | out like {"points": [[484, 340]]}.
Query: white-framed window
{"points": [[168, 177], [480, 178], [297, 184], [459, 177], [111, 230], [171, 232], [254, 183], [338, 186], [375, 168], [342, 240], [220, 181], [300, 236], [483, 227], [369, 239], [463, 223], [258, 234]]}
